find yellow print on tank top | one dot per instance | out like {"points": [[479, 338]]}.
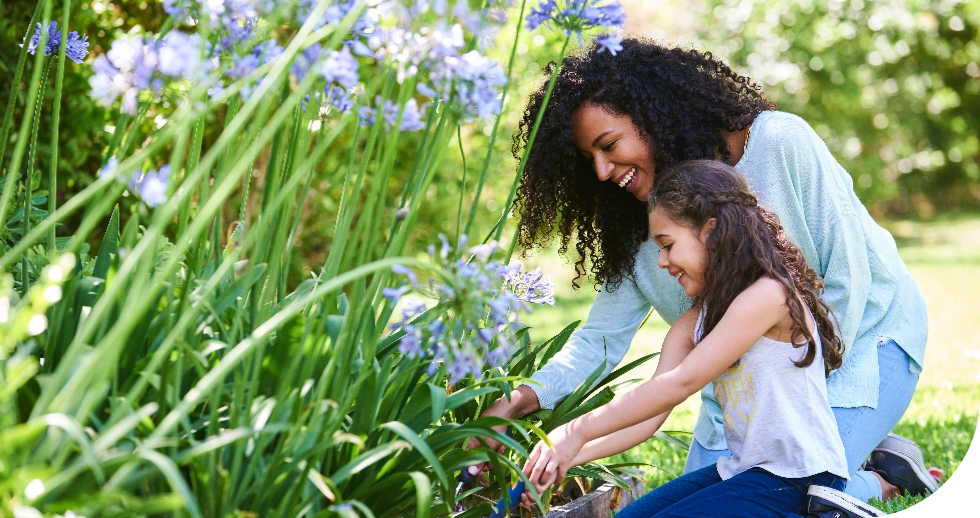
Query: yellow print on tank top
{"points": [[735, 392]]}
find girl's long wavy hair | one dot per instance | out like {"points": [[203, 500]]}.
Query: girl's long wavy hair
{"points": [[680, 101], [746, 244]]}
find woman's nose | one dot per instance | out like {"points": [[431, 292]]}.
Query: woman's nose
{"points": [[662, 259], [603, 168]]}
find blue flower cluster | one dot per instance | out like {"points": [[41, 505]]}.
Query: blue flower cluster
{"points": [[577, 15], [76, 47], [471, 80], [137, 63], [411, 118], [151, 186], [240, 42], [529, 286], [474, 321]]}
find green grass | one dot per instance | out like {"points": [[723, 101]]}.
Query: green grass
{"points": [[944, 257]]}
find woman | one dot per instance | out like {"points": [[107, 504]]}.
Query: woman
{"points": [[612, 122]]}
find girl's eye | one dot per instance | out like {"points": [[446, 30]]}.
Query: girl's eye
{"points": [[609, 146], [666, 248]]}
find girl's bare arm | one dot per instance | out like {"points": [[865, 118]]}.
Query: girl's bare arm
{"points": [[677, 345]]}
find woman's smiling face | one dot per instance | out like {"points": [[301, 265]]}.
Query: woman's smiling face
{"points": [[618, 151]]}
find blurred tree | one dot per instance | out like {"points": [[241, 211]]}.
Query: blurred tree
{"points": [[892, 86]]}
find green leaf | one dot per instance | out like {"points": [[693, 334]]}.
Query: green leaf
{"points": [[438, 395], [624, 369], [557, 342], [368, 458], [423, 494], [108, 248], [423, 449], [176, 479], [604, 396], [664, 436]]}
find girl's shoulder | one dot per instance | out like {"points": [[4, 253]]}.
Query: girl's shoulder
{"points": [[765, 291]]}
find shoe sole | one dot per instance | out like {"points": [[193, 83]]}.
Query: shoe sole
{"points": [[923, 476], [844, 501]]}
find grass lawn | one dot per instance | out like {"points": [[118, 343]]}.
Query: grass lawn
{"points": [[943, 256]]}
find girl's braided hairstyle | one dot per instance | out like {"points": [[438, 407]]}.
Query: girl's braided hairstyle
{"points": [[680, 100], [747, 243]]}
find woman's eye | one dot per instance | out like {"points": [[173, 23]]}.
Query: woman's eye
{"points": [[609, 146]]}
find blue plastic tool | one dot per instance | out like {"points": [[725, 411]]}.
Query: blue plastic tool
{"points": [[514, 496]]}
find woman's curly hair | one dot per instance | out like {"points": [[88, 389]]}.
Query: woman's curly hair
{"points": [[679, 99], [747, 243]]}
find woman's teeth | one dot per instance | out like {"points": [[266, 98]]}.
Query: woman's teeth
{"points": [[629, 176]]}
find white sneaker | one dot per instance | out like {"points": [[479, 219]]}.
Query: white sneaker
{"points": [[824, 502]]}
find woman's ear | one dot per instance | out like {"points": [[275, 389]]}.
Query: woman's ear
{"points": [[706, 229]]}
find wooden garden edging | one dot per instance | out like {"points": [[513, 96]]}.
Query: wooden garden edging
{"points": [[600, 503]]}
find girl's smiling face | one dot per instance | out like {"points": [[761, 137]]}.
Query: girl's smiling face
{"points": [[618, 151], [682, 249]]}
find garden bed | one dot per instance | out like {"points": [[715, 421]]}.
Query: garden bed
{"points": [[601, 502]]}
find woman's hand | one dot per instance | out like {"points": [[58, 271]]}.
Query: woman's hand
{"points": [[523, 401], [547, 466]]}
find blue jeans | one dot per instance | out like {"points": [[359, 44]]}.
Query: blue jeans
{"points": [[861, 428], [753, 493]]}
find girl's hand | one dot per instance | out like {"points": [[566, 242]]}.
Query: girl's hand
{"points": [[546, 466]]}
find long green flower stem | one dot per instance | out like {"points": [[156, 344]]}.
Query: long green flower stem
{"points": [[166, 135], [527, 149], [188, 318], [29, 178], [8, 115], [496, 123], [143, 254], [246, 346], [25, 126], [55, 123]]}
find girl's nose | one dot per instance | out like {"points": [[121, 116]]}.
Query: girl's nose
{"points": [[662, 259], [603, 168]]}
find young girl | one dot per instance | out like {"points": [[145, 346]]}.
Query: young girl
{"points": [[757, 329]]}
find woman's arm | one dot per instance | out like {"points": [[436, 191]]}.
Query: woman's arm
{"points": [[750, 316], [606, 336]]}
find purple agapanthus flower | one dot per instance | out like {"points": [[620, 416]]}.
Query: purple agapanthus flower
{"points": [[411, 344], [152, 186], [76, 47], [339, 99], [411, 116], [610, 42], [577, 15], [122, 72], [472, 77], [529, 286], [179, 55], [365, 114], [340, 67], [305, 60], [541, 14], [109, 169]]}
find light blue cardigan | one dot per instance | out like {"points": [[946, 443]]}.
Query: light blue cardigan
{"points": [[868, 287]]}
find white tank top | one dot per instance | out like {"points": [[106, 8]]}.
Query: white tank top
{"points": [[776, 414]]}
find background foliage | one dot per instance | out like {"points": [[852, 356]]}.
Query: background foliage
{"points": [[892, 86]]}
